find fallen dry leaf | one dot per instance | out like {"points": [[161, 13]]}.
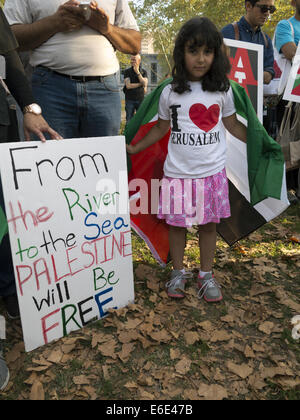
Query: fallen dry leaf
{"points": [[243, 371], [91, 391], [206, 325], [145, 379], [127, 336], [183, 366], [126, 351], [55, 356], [190, 394], [191, 337], [221, 335], [271, 372], [131, 385], [15, 352], [212, 392], [160, 336], [105, 370], [68, 348], [175, 354], [284, 299], [37, 391], [256, 381], [153, 284], [266, 327], [108, 349], [144, 395], [81, 380], [131, 324], [248, 352]]}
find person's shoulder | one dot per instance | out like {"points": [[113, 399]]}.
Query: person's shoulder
{"points": [[127, 71], [165, 93], [284, 25], [228, 31]]}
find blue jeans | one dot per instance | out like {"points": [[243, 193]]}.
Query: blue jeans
{"points": [[130, 108], [76, 109]]}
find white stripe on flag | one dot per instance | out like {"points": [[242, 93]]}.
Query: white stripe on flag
{"points": [[237, 172]]}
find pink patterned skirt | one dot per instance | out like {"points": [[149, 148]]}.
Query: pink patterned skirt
{"points": [[188, 202]]}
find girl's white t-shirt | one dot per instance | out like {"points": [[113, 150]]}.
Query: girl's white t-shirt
{"points": [[197, 145]]}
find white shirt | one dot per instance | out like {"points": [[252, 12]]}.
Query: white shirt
{"points": [[79, 53], [197, 145]]}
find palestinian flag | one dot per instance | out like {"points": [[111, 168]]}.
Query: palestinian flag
{"points": [[3, 224], [256, 173], [296, 87]]}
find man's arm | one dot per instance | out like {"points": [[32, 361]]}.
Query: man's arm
{"points": [[127, 41], [289, 50], [67, 18], [285, 39], [130, 85], [143, 80], [21, 90], [145, 84], [269, 71]]}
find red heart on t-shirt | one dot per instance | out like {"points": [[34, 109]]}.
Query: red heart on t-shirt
{"points": [[205, 119]]}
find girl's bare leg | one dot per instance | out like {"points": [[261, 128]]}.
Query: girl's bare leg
{"points": [[177, 239], [207, 245]]}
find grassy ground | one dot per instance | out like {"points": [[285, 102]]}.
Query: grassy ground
{"points": [[241, 348]]}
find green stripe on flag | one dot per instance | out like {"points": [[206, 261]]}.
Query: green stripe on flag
{"points": [[146, 112], [297, 82]]}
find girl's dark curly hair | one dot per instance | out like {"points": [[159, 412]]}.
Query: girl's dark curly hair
{"points": [[197, 32]]}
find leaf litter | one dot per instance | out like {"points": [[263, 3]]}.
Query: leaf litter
{"points": [[157, 348]]}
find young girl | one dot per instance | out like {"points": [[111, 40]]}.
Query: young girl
{"points": [[195, 186]]}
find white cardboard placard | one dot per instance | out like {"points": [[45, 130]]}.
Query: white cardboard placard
{"points": [[292, 90], [67, 209], [248, 70]]}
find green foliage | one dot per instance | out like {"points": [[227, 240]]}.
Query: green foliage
{"points": [[124, 60], [162, 19], [222, 12]]}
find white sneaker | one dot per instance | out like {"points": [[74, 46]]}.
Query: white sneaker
{"points": [[176, 286], [209, 288]]}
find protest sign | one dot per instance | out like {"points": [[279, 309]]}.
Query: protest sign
{"points": [[69, 226], [247, 70], [292, 90]]}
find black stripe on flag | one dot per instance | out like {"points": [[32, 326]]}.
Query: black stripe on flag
{"points": [[243, 221]]}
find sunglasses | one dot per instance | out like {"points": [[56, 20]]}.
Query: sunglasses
{"points": [[264, 8]]}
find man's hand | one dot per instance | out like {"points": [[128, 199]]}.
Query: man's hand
{"points": [[37, 125], [267, 77], [135, 62], [99, 20], [127, 41], [69, 17]]}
